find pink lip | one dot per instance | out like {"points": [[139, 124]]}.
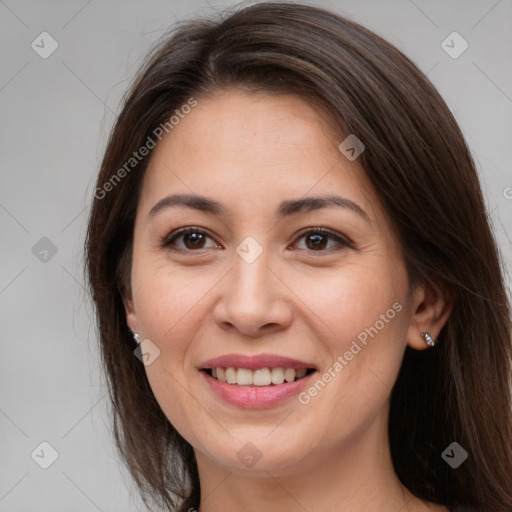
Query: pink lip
{"points": [[254, 397], [255, 362]]}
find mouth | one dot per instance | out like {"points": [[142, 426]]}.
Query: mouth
{"points": [[257, 380], [260, 377]]}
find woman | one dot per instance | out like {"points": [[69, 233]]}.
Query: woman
{"points": [[289, 223]]}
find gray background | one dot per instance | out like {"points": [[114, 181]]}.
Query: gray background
{"points": [[56, 115]]}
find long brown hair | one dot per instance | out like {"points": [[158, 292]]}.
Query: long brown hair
{"points": [[422, 170]]}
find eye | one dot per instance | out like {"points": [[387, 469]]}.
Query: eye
{"points": [[191, 238], [318, 239]]}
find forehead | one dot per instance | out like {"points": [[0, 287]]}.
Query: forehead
{"points": [[256, 146], [237, 124]]}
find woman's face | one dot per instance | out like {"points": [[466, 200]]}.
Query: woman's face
{"points": [[254, 281]]}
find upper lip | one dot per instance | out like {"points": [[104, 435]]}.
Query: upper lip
{"points": [[255, 362]]}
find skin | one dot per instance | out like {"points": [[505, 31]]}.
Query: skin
{"points": [[250, 152]]}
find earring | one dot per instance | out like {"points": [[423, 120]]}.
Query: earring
{"points": [[430, 342], [136, 336]]}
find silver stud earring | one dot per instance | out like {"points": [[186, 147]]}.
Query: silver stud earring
{"points": [[136, 337], [430, 342]]}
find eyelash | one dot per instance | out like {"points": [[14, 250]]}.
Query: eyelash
{"points": [[167, 242]]}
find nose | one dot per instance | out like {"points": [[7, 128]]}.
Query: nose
{"points": [[255, 301]]}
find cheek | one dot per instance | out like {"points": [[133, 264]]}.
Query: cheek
{"points": [[344, 304], [170, 308], [167, 300], [360, 314]]}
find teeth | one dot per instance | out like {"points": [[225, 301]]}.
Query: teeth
{"points": [[231, 377], [300, 373], [277, 375], [260, 377], [289, 375], [244, 377]]}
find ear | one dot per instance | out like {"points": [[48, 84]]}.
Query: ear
{"points": [[431, 308], [129, 307]]}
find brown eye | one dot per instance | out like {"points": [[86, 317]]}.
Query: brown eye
{"points": [[316, 241], [319, 239], [188, 239], [194, 240]]}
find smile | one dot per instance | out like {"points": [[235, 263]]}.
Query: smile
{"points": [[257, 378]]}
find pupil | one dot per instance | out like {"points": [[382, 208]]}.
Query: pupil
{"points": [[317, 241], [194, 238]]}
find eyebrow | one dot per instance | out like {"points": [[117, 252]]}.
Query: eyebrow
{"points": [[285, 209]]}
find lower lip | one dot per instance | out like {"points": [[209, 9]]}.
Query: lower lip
{"points": [[254, 397]]}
